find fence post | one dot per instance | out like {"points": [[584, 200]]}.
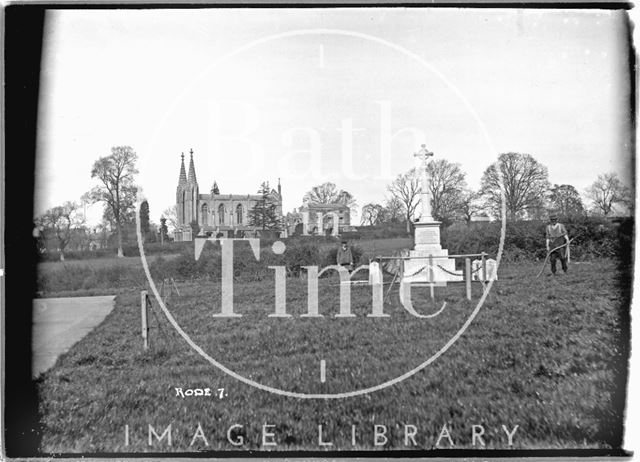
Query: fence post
{"points": [[143, 313], [484, 269], [431, 276], [467, 276]]}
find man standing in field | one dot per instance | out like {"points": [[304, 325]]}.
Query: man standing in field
{"points": [[557, 236], [344, 256]]}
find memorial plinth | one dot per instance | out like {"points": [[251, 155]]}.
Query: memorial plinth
{"points": [[428, 262]]}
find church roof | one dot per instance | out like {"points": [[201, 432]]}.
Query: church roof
{"points": [[319, 206], [224, 197]]}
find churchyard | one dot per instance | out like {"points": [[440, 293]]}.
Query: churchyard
{"points": [[547, 355]]}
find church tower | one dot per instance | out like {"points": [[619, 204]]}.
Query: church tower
{"points": [[181, 194], [192, 194]]}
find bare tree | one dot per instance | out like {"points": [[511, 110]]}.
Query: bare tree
{"points": [[446, 186], [328, 193], [171, 215], [525, 181], [470, 205], [566, 201], [393, 210], [406, 189], [117, 189], [62, 221], [607, 191], [325, 193], [372, 214]]}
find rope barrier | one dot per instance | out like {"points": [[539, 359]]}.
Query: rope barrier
{"points": [[427, 266]]}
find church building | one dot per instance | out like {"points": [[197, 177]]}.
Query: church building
{"points": [[216, 213]]}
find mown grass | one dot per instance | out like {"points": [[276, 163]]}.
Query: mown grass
{"points": [[543, 354]]}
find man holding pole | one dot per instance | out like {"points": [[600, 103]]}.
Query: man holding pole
{"points": [[557, 240]]}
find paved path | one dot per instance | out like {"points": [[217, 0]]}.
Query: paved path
{"points": [[58, 323]]}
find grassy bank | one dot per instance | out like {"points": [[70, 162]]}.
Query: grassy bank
{"points": [[543, 354]]}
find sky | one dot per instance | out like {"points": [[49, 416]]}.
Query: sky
{"points": [[312, 95]]}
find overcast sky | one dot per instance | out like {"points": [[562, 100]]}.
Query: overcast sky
{"points": [[258, 101]]}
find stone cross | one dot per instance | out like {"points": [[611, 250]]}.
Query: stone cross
{"points": [[423, 154], [425, 197]]}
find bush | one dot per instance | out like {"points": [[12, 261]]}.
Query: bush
{"points": [[384, 231]]}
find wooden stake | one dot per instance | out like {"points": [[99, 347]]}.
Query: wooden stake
{"points": [[484, 268], [143, 313], [431, 276], [467, 276]]}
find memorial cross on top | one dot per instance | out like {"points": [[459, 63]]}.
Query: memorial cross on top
{"points": [[423, 154]]}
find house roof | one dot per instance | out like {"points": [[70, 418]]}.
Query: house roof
{"points": [[318, 206]]}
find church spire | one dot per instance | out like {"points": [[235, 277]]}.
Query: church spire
{"points": [[183, 175], [192, 170]]}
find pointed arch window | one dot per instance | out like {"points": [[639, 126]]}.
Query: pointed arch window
{"points": [[221, 214], [184, 212], [239, 214], [205, 214]]}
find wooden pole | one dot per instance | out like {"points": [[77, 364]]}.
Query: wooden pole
{"points": [[143, 313], [484, 268], [467, 276], [431, 278]]}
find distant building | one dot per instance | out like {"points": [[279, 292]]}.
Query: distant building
{"points": [[215, 213], [328, 213]]}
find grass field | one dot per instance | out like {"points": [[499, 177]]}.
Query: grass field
{"points": [[544, 354], [97, 262]]}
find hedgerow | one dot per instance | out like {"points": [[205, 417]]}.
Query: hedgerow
{"points": [[524, 241]]}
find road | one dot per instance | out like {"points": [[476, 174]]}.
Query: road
{"points": [[59, 323]]}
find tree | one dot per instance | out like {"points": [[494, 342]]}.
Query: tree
{"points": [[566, 201], [171, 217], [470, 205], [62, 221], [446, 186], [372, 214], [525, 182], [265, 213], [163, 229], [328, 193], [293, 222], [144, 218], [606, 192], [406, 189], [117, 189], [392, 210]]}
